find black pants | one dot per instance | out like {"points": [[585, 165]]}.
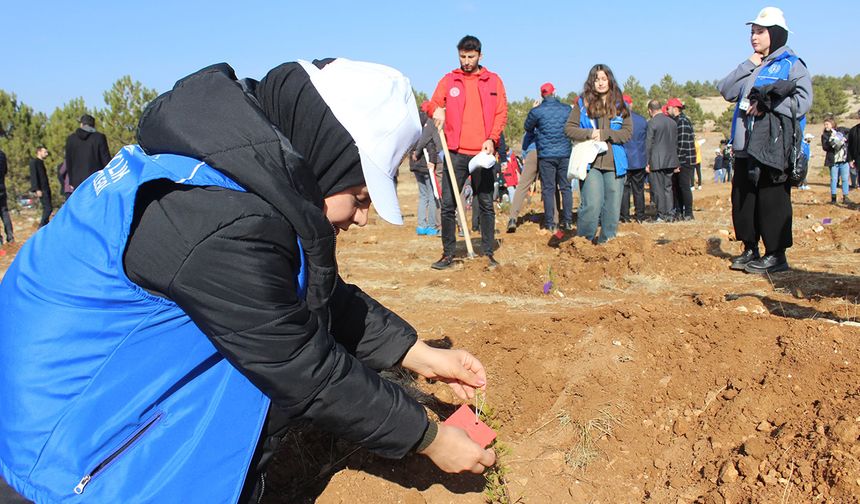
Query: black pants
{"points": [[661, 189], [482, 190], [760, 211], [4, 215], [635, 185], [47, 208], [683, 194], [9, 496], [274, 429], [698, 167]]}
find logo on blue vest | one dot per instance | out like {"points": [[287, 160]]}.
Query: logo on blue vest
{"points": [[773, 68]]}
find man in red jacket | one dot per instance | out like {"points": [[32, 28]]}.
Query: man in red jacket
{"points": [[471, 103]]}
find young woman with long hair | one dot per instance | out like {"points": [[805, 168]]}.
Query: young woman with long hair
{"points": [[601, 115]]}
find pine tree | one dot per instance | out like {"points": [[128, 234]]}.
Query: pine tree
{"points": [[125, 102]]}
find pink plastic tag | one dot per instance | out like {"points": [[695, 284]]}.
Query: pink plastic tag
{"points": [[465, 419]]}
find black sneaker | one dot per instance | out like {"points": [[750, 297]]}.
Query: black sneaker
{"points": [[491, 262], [739, 263], [555, 239], [512, 225], [566, 226], [770, 263], [443, 263]]}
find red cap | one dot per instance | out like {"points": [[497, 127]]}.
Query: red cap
{"points": [[664, 110], [628, 100], [674, 102], [547, 89], [425, 106]]}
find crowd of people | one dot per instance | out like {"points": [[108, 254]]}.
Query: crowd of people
{"points": [[86, 152], [600, 146], [200, 312]]}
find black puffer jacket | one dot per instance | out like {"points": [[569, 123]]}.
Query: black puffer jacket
{"points": [[229, 259]]}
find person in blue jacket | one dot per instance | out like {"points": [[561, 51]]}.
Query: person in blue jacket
{"points": [[636, 161], [601, 115], [200, 310], [546, 123]]}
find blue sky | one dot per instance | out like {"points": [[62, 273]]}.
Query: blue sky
{"points": [[59, 50]]}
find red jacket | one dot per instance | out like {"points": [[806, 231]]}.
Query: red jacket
{"points": [[511, 174], [451, 94]]}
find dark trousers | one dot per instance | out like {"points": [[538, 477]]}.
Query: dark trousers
{"points": [[274, 429], [482, 189], [698, 167], [47, 208], [634, 185], [553, 175], [762, 210], [8, 495], [684, 195], [661, 186], [4, 215]]}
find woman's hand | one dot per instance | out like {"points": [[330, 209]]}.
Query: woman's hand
{"points": [[595, 135], [756, 58], [453, 451], [753, 110], [462, 371]]}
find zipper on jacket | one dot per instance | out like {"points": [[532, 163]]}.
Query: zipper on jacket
{"points": [[79, 489]]}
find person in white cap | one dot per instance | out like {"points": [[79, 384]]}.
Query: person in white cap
{"points": [[200, 310], [761, 192]]}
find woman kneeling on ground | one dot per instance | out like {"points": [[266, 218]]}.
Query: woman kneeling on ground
{"points": [[200, 310]]}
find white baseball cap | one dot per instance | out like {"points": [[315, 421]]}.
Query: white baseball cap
{"points": [[376, 106], [770, 16]]}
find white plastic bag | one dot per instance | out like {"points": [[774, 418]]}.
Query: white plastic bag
{"points": [[583, 154]]}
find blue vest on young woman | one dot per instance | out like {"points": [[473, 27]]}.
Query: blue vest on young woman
{"points": [[109, 393], [776, 69], [617, 150]]}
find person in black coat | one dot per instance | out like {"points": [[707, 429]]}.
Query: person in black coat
{"points": [[39, 184], [312, 357], [854, 148], [4, 208], [86, 151], [661, 153]]}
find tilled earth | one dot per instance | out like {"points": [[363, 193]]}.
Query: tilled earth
{"points": [[646, 371]]}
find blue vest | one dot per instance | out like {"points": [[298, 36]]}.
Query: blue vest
{"points": [[617, 150], [109, 394], [777, 69]]}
